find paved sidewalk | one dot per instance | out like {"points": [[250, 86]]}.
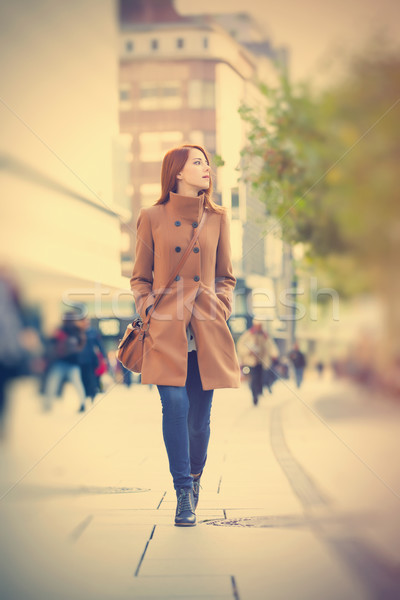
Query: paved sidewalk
{"points": [[87, 502]]}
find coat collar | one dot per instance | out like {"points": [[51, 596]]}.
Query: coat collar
{"points": [[186, 207]]}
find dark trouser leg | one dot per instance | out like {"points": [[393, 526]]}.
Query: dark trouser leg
{"points": [[256, 384], [299, 375], [200, 402], [89, 380]]}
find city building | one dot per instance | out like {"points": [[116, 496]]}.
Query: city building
{"points": [[60, 147], [183, 79]]}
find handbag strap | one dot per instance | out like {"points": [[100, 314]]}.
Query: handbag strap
{"points": [[178, 267]]}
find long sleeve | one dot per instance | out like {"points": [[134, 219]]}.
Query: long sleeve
{"points": [[224, 279], [142, 275]]}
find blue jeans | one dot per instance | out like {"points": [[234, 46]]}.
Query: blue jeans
{"points": [[186, 425], [299, 372], [60, 371]]}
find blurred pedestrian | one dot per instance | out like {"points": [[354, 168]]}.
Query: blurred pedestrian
{"points": [[257, 350], [65, 346], [298, 361], [320, 366], [189, 350], [126, 377], [12, 351], [93, 360]]}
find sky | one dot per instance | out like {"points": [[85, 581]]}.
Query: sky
{"points": [[315, 31]]}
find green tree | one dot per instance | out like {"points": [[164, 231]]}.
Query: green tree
{"points": [[327, 167], [287, 161], [365, 111]]}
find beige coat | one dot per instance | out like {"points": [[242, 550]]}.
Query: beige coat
{"points": [[256, 348], [202, 296]]}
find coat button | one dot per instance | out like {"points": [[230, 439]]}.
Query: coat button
{"points": [[177, 278], [196, 250], [178, 249], [177, 223], [196, 278], [195, 224]]}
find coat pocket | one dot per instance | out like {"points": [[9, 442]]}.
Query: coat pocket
{"points": [[146, 304], [224, 308]]}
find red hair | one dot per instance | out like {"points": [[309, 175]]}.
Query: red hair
{"points": [[173, 162]]}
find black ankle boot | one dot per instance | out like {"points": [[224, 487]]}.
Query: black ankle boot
{"points": [[185, 515], [196, 490]]}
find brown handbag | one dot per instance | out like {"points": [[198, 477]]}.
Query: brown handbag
{"points": [[131, 347]]}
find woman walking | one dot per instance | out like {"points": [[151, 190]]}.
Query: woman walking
{"points": [[188, 349], [257, 350]]}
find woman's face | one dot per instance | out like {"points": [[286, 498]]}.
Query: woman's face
{"points": [[195, 175]]}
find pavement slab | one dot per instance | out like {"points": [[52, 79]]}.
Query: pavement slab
{"points": [[286, 509]]}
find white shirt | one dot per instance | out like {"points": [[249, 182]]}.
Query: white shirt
{"points": [[190, 339]]}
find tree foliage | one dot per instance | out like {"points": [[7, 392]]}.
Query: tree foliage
{"points": [[326, 166]]}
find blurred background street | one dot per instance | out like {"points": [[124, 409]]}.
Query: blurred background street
{"points": [[298, 105]]}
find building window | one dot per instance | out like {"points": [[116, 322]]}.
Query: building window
{"points": [[210, 141], [149, 193], [154, 144], [201, 94], [217, 197], [126, 242], [205, 43], [203, 138], [180, 42], [121, 169], [125, 96], [197, 137], [129, 46], [159, 95], [154, 44]]}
